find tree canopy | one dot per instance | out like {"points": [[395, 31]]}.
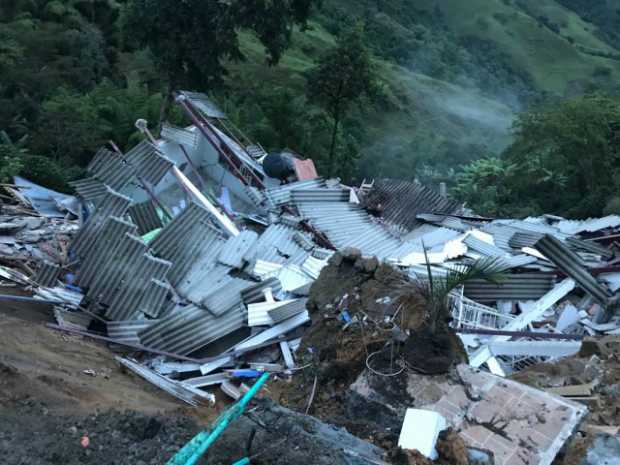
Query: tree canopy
{"points": [[191, 39], [565, 159], [341, 78]]}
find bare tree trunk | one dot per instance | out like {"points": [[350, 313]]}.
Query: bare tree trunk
{"points": [[164, 110], [332, 147]]}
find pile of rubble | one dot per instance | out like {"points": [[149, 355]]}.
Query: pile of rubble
{"points": [[199, 253]]}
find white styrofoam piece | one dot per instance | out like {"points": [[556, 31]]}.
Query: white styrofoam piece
{"points": [[420, 431]]}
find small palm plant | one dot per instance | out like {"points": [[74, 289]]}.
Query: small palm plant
{"points": [[435, 290], [431, 347]]}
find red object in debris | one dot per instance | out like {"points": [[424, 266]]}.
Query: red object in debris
{"points": [[305, 169], [85, 441]]}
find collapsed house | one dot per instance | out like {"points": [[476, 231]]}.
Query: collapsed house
{"points": [[198, 249]]}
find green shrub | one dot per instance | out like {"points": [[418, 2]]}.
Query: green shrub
{"points": [[45, 171], [10, 163]]}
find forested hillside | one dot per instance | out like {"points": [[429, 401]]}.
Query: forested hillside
{"points": [[448, 78]]}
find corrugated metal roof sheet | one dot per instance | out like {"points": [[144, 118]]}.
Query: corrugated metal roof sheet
{"points": [[348, 225], [509, 261], [524, 286], [288, 310], [184, 227], [189, 241], [126, 251], [589, 225], [589, 246], [262, 268], [282, 194], [116, 172], [258, 313], [570, 263], [204, 276], [154, 298], [127, 331], [320, 195], [275, 244], [502, 234], [313, 266], [226, 297], [255, 294], [190, 328], [277, 330], [124, 304], [99, 160], [400, 201], [236, 247], [524, 239], [532, 227], [113, 229], [431, 236], [183, 136], [292, 277], [113, 204], [483, 247], [147, 163], [48, 274], [206, 106], [446, 221], [89, 189], [145, 216]]}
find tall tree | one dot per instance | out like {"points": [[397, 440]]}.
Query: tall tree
{"points": [[191, 39], [341, 78]]}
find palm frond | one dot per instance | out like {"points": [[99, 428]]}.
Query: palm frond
{"points": [[490, 269]]}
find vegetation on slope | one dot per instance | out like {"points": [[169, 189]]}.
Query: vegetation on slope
{"points": [[452, 76]]}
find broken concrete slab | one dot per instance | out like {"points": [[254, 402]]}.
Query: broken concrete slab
{"points": [[520, 424]]}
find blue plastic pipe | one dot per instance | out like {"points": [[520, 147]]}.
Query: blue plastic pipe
{"points": [[193, 450]]}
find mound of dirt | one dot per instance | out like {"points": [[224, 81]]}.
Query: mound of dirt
{"points": [[362, 286], [336, 350]]}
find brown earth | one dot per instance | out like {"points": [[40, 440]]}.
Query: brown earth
{"points": [[49, 366], [48, 402]]}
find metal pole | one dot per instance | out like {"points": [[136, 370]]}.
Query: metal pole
{"points": [[201, 126]]}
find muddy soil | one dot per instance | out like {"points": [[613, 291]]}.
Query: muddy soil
{"points": [[31, 434], [39, 363], [335, 354], [48, 401]]}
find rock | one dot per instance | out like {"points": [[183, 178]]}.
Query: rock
{"points": [[336, 259], [589, 347], [351, 254], [371, 264], [311, 441]]}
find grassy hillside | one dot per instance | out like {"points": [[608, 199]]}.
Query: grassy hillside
{"points": [[545, 40], [454, 74]]}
